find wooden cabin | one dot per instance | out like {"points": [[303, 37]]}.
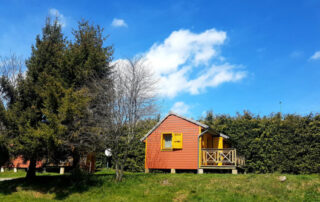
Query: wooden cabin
{"points": [[177, 142], [87, 163]]}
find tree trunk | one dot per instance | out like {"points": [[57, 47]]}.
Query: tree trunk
{"points": [[31, 173], [76, 160], [119, 171]]}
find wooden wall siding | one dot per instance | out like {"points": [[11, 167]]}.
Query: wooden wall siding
{"points": [[185, 158], [20, 163]]}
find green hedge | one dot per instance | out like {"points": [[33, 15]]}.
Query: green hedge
{"points": [[289, 143]]}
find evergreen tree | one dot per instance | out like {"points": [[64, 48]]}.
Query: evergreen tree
{"points": [[88, 67], [36, 130], [4, 154], [50, 113]]}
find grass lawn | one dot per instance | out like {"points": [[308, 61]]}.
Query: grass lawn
{"points": [[21, 173], [11, 174], [164, 187]]}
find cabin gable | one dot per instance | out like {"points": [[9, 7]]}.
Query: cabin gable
{"points": [[183, 155]]}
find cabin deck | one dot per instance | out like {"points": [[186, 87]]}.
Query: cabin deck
{"points": [[226, 158]]}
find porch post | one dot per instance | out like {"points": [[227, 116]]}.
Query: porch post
{"points": [[200, 152], [220, 146]]}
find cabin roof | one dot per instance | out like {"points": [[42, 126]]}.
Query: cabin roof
{"points": [[215, 133], [177, 115]]}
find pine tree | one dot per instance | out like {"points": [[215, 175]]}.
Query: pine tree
{"points": [[88, 67], [4, 154], [50, 113], [36, 132]]}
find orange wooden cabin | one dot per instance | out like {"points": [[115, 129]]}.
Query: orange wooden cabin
{"points": [[87, 162], [177, 142], [19, 162]]}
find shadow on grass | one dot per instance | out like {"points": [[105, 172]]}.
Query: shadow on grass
{"points": [[61, 186]]}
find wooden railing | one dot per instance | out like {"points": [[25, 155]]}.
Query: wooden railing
{"points": [[221, 157]]}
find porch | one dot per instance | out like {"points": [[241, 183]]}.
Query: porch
{"points": [[226, 158], [215, 152]]}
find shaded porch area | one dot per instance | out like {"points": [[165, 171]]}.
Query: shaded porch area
{"points": [[215, 152]]}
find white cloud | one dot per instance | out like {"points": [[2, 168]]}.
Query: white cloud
{"points": [[119, 23], [182, 46], [215, 76], [315, 56], [61, 19], [184, 62], [180, 108], [190, 63]]}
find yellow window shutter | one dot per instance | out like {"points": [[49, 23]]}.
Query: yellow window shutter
{"points": [[177, 141]]}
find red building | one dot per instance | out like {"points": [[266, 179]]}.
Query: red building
{"points": [[177, 142], [87, 162], [19, 162]]}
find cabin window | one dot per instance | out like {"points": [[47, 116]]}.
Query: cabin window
{"points": [[167, 141], [171, 141]]}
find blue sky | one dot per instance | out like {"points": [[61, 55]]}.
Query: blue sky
{"points": [[225, 56]]}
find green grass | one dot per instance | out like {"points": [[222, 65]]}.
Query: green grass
{"points": [[22, 173], [11, 174], [164, 187]]}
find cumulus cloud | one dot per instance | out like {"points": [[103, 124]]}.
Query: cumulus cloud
{"points": [[185, 62], [180, 108], [55, 13], [315, 56], [215, 76], [119, 23], [188, 62], [182, 46]]}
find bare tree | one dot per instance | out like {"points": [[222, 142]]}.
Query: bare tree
{"points": [[10, 72], [134, 98], [11, 68]]}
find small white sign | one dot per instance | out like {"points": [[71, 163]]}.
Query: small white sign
{"points": [[108, 152]]}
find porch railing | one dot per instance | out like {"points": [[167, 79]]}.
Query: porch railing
{"points": [[221, 157]]}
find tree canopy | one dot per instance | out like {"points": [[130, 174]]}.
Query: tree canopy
{"points": [[47, 109]]}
